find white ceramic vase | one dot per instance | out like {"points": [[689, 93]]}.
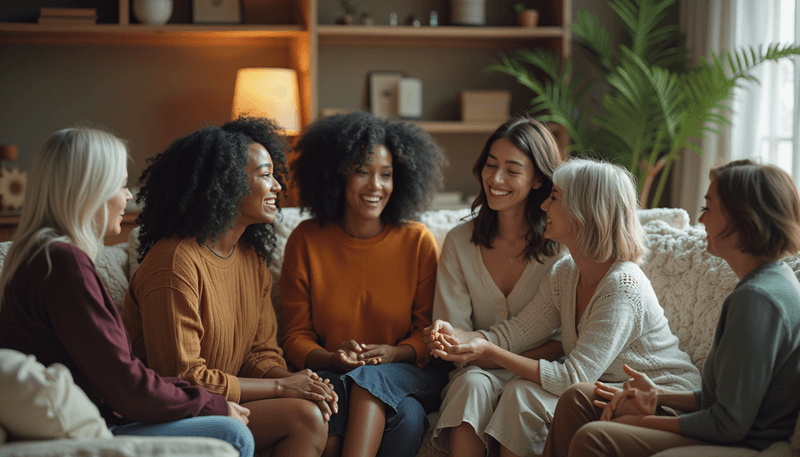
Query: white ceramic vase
{"points": [[468, 12], [153, 12]]}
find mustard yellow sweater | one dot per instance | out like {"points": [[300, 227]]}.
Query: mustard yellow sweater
{"points": [[205, 319], [375, 291]]}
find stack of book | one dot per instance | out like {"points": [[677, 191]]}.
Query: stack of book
{"points": [[69, 16]]}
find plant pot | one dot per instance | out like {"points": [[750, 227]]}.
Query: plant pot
{"points": [[468, 12], [153, 12], [528, 18]]}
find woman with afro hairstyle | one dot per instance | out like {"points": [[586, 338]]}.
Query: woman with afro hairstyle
{"points": [[490, 269], [358, 279], [199, 305]]}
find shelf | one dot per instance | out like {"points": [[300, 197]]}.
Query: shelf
{"points": [[439, 37], [458, 126], [147, 35]]}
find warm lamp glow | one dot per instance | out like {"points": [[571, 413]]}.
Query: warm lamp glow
{"points": [[268, 92]]}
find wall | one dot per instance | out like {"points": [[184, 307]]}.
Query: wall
{"points": [[152, 95]]}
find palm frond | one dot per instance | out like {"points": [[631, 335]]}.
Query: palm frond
{"points": [[595, 39], [557, 96]]}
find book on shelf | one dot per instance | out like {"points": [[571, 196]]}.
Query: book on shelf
{"points": [[68, 12]]}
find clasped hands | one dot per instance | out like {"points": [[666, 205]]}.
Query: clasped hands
{"points": [[308, 385], [454, 345], [350, 354], [638, 397]]}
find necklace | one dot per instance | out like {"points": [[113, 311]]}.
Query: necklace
{"points": [[221, 257]]}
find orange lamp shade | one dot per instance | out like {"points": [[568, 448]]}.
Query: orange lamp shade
{"points": [[268, 92]]}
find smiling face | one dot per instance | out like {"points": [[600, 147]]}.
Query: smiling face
{"points": [[368, 188], [508, 176], [259, 207], [116, 208], [559, 227], [716, 223]]}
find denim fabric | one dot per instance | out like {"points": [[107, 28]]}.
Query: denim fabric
{"points": [[220, 427], [409, 393]]}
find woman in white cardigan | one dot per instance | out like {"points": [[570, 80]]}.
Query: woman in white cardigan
{"points": [[606, 308], [490, 268]]}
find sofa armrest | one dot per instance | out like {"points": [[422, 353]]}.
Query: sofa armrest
{"points": [[122, 446]]}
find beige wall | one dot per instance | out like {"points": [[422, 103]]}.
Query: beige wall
{"points": [[152, 95], [147, 95]]}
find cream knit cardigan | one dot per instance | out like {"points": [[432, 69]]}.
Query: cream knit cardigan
{"points": [[623, 324]]}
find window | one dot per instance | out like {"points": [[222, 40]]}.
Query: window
{"points": [[766, 116]]}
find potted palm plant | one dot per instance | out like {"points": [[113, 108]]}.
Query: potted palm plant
{"points": [[653, 105]]}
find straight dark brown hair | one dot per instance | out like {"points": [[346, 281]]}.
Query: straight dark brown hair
{"points": [[537, 142]]}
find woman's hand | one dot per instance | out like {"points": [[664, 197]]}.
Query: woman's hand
{"points": [[462, 348], [308, 385], [441, 333], [375, 354], [238, 412], [345, 357], [638, 396]]}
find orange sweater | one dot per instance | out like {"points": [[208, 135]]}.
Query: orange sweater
{"points": [[375, 291], [205, 319]]}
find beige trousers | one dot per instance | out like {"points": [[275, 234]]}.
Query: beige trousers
{"points": [[577, 431]]}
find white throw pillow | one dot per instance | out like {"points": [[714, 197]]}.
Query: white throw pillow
{"points": [[44, 403]]}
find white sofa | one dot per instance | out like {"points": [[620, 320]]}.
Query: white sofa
{"points": [[690, 285]]}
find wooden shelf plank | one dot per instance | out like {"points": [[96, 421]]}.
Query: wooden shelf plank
{"points": [[457, 126], [441, 36], [144, 35]]}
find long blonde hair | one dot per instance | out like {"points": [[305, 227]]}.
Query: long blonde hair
{"points": [[71, 180]]}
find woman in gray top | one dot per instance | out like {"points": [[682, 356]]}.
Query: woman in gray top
{"points": [[748, 396]]}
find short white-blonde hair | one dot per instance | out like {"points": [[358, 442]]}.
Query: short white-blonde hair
{"points": [[600, 199], [71, 180]]}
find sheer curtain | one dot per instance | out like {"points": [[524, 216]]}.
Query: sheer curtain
{"points": [[766, 116]]}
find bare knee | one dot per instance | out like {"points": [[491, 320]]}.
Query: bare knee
{"points": [[307, 421]]}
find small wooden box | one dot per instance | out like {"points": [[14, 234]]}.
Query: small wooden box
{"points": [[485, 105]]}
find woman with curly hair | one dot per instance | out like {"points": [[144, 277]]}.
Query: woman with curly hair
{"points": [[490, 269], [607, 310], [55, 307], [358, 279], [199, 305]]}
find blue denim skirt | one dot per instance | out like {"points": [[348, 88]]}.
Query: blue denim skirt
{"points": [[391, 383]]}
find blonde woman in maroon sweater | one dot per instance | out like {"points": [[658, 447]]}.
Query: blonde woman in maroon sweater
{"points": [[54, 306]]}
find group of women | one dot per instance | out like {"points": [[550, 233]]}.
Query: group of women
{"points": [[559, 344]]}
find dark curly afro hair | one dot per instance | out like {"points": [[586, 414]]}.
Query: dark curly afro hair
{"points": [[332, 145], [195, 187]]}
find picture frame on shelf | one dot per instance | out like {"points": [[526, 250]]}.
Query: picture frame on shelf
{"points": [[217, 11], [383, 93]]}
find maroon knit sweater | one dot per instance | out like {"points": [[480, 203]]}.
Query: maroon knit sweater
{"points": [[68, 317]]}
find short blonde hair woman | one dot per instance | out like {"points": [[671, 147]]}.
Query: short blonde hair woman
{"points": [[607, 310], [748, 397], [55, 306], [602, 202]]}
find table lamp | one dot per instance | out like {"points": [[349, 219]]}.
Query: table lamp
{"points": [[268, 92]]}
